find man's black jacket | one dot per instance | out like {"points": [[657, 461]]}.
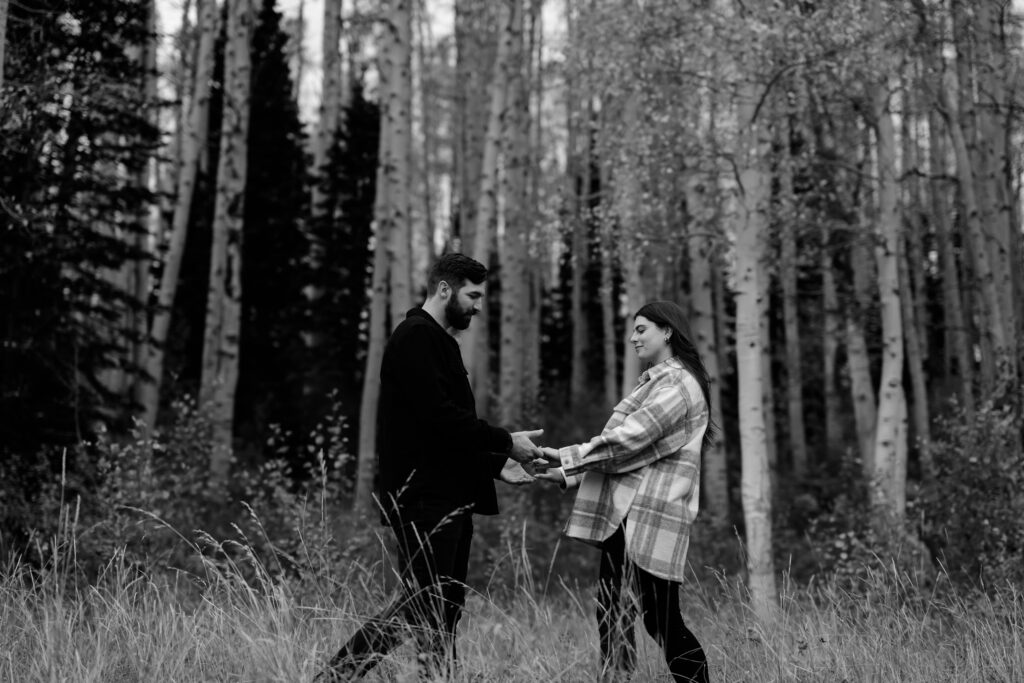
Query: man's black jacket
{"points": [[433, 449]]}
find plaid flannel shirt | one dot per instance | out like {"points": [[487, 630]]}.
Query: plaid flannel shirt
{"points": [[644, 470]]}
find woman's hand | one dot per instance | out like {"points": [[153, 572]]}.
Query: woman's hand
{"points": [[555, 474], [514, 473]]}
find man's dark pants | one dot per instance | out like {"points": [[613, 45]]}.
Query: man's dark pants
{"points": [[433, 557]]}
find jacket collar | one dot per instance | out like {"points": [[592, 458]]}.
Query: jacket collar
{"points": [[661, 369]]}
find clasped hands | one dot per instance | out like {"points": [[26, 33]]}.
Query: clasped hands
{"points": [[528, 461]]}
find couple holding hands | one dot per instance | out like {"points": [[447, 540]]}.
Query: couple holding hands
{"points": [[637, 483]]}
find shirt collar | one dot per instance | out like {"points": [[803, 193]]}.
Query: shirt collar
{"points": [[660, 370]]}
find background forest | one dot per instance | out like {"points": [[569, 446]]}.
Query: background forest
{"points": [[207, 233]]}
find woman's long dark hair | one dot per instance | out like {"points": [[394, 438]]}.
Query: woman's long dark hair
{"points": [[666, 314]]}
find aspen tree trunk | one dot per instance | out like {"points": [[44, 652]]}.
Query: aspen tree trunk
{"points": [[535, 247], [193, 145], [993, 184], [424, 133], [3, 37], [330, 97], [149, 218], [379, 326], [475, 347], [888, 485], [790, 310], [858, 364], [714, 473], [606, 296], [515, 180], [224, 299], [477, 26], [767, 367], [751, 231], [957, 337], [579, 217], [627, 209], [915, 364], [398, 175], [831, 331], [981, 264]]}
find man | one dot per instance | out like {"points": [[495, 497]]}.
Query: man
{"points": [[438, 462]]}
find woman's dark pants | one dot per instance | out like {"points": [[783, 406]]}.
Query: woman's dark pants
{"points": [[659, 604]]}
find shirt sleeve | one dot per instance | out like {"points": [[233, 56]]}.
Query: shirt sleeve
{"points": [[630, 445], [437, 411]]}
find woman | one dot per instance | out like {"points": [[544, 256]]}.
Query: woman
{"points": [[638, 492]]}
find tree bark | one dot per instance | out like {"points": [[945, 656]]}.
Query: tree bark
{"points": [[714, 473], [956, 328], [475, 345], [751, 228], [224, 299], [514, 240], [790, 309], [3, 37], [193, 145], [398, 176], [888, 485], [981, 262]]}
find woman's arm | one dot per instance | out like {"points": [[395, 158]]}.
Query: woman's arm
{"points": [[639, 439]]}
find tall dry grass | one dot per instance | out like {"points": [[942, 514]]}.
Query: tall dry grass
{"points": [[236, 620]]}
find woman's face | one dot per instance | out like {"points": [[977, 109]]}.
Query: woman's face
{"points": [[650, 341]]}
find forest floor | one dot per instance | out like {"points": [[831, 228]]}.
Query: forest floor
{"points": [[125, 626]]}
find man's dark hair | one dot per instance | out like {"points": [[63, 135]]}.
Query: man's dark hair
{"points": [[455, 269]]}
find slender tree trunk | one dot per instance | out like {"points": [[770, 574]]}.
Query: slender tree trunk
{"points": [[788, 272], [193, 145], [888, 485], [476, 347], [224, 300], [330, 97], [398, 174], [857, 361], [514, 285], [627, 191], [607, 299], [956, 327], [714, 473], [831, 331], [3, 38], [535, 249], [981, 262], [751, 230], [578, 169]]}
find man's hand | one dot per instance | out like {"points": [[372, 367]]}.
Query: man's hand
{"points": [[523, 448], [513, 473], [555, 474]]}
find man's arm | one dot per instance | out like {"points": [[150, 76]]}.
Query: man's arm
{"points": [[420, 366]]}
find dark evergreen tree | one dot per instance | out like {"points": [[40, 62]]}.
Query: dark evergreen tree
{"points": [[342, 234], [275, 248], [73, 134]]}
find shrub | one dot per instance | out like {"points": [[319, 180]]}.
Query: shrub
{"points": [[972, 508]]}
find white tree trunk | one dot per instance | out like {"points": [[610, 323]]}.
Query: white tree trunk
{"points": [[981, 262], [399, 166], [831, 332], [330, 97], [224, 300], [192, 147], [858, 364], [714, 473], [888, 490], [788, 272], [751, 230], [475, 345], [514, 285], [3, 37]]}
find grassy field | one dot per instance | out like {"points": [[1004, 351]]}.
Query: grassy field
{"points": [[215, 626]]}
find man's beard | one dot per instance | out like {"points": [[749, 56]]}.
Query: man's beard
{"points": [[457, 317]]}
